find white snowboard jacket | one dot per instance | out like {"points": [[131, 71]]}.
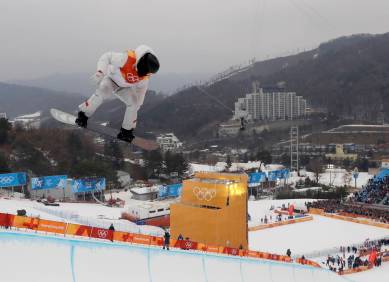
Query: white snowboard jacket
{"points": [[111, 62]]}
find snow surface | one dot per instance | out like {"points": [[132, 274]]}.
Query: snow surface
{"points": [[319, 234], [80, 213], [377, 274], [332, 177], [50, 258], [302, 238]]}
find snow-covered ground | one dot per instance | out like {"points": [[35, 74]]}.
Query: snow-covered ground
{"points": [[378, 274], [259, 209], [50, 258], [80, 213], [319, 234], [333, 177]]}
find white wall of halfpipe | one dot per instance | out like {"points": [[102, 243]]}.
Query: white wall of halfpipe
{"points": [[30, 257]]}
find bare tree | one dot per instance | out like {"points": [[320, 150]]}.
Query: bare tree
{"points": [[316, 166]]}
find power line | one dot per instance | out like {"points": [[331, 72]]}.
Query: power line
{"points": [[215, 99]]}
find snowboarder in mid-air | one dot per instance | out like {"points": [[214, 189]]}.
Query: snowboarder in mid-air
{"points": [[124, 75]]}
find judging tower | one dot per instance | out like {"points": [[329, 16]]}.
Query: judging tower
{"points": [[212, 210]]}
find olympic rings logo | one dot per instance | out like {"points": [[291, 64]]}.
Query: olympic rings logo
{"points": [[188, 245], [132, 78], [204, 194], [102, 233], [6, 179]]}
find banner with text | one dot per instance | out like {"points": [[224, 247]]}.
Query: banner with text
{"points": [[88, 185], [13, 179], [256, 178], [173, 190], [48, 182]]}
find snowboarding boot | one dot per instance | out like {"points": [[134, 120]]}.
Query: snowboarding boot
{"points": [[82, 119], [126, 135]]}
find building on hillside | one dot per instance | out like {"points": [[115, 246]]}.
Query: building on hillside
{"points": [[385, 163], [341, 155], [270, 104], [3, 115], [28, 121], [145, 193], [169, 142]]}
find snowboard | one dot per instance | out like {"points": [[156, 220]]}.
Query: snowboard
{"points": [[107, 131]]}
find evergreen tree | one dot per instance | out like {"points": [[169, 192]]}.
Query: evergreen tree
{"points": [[28, 157], [175, 163], [228, 161], [153, 162], [4, 167], [5, 126], [113, 150], [264, 156]]}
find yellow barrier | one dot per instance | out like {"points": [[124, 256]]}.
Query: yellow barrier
{"points": [[355, 270], [316, 211], [355, 220], [280, 223]]}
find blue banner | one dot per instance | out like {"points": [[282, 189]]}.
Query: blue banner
{"points": [[173, 190], [48, 182], [278, 174], [13, 179], [272, 175], [285, 173], [163, 191], [88, 185], [256, 178]]}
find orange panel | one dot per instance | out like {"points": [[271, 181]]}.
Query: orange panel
{"points": [[141, 239], [25, 222], [79, 230], [252, 254], [51, 226], [156, 241], [6, 219], [212, 249], [123, 236]]}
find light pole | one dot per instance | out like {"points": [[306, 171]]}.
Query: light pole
{"points": [[355, 175]]}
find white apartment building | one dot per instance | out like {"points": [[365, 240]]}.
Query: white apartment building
{"points": [[28, 121], [270, 104], [3, 115], [169, 142]]}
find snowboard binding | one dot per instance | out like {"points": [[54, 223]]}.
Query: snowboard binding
{"points": [[81, 120], [126, 135]]}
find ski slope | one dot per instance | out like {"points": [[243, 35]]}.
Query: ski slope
{"points": [[319, 234], [37, 258]]}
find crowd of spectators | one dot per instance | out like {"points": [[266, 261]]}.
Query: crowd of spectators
{"points": [[357, 209], [375, 192], [352, 257]]}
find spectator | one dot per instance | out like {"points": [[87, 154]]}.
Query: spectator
{"points": [[166, 241], [288, 252]]}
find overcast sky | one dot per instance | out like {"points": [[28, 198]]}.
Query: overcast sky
{"points": [[41, 37]]}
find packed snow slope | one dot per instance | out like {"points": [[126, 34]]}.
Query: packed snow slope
{"points": [[39, 258]]}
